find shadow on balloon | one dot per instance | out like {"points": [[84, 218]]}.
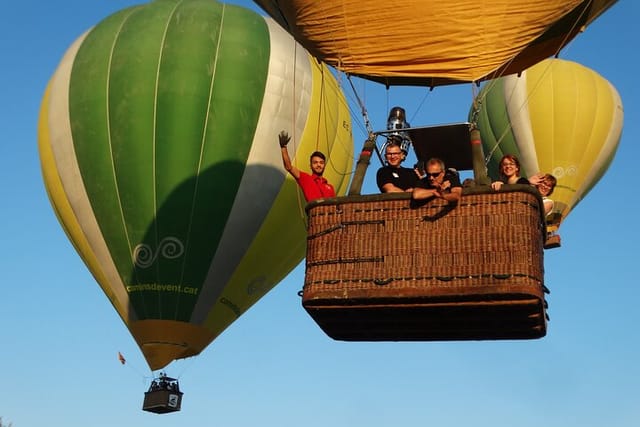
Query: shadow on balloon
{"points": [[199, 234]]}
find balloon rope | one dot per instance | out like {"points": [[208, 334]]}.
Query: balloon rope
{"points": [[475, 103], [352, 114], [363, 109], [587, 5], [349, 105], [135, 369], [420, 105], [493, 81], [323, 100], [478, 99], [188, 364], [365, 116], [349, 97], [323, 114]]}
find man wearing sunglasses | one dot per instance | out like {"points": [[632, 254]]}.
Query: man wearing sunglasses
{"points": [[393, 178], [438, 182]]}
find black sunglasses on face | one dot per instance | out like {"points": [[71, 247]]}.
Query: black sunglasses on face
{"points": [[434, 175]]}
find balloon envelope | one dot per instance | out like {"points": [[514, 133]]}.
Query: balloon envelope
{"points": [[158, 144], [558, 117], [422, 42]]}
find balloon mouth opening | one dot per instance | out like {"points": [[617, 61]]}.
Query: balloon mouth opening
{"points": [[163, 341], [160, 354]]}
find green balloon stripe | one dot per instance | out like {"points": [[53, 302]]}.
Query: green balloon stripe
{"points": [[495, 128], [172, 110], [235, 80], [95, 139]]}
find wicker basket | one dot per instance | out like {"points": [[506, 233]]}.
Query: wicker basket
{"points": [[379, 269]]}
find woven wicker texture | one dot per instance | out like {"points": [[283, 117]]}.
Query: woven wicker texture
{"points": [[372, 253]]}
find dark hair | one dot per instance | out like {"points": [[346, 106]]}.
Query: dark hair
{"points": [[317, 154], [392, 142], [514, 159], [511, 157]]}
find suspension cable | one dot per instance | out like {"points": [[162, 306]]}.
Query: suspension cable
{"points": [[363, 109]]}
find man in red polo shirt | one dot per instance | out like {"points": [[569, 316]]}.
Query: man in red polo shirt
{"points": [[314, 186]]}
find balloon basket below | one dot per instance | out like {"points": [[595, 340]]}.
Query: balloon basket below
{"points": [[379, 269], [164, 396]]}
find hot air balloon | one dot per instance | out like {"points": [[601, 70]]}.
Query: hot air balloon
{"points": [[558, 117], [378, 268], [429, 43], [158, 144]]}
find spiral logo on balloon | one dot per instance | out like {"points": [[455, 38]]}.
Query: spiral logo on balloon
{"points": [[169, 248], [560, 172]]}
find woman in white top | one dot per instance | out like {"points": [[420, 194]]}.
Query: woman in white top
{"points": [[545, 183]]}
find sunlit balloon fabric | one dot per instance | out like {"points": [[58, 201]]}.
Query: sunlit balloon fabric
{"points": [[432, 42], [158, 143], [558, 117]]}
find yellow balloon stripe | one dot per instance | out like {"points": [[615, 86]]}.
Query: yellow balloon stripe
{"points": [[336, 117], [63, 181], [59, 199], [559, 134], [604, 136]]}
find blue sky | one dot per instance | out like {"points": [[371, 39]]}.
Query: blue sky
{"points": [[59, 336]]}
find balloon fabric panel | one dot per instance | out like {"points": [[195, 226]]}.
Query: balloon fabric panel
{"points": [[464, 41]]}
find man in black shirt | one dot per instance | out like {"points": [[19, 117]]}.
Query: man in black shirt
{"points": [[438, 182], [393, 178]]}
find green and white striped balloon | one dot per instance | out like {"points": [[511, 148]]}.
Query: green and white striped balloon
{"points": [[158, 143]]}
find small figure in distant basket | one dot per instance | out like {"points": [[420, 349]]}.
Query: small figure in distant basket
{"points": [[509, 172], [393, 178], [438, 182], [545, 183], [313, 186]]}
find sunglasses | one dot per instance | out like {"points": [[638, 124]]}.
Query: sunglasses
{"points": [[434, 175]]}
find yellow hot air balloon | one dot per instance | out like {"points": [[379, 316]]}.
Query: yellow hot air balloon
{"points": [[158, 143], [558, 117]]}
